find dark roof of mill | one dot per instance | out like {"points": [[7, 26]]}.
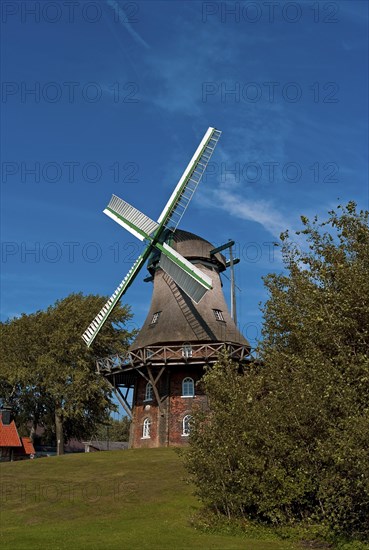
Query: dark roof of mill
{"points": [[190, 246]]}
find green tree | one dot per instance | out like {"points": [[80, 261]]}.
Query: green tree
{"points": [[22, 341], [287, 440], [114, 430], [48, 372]]}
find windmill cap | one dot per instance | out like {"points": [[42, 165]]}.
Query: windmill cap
{"points": [[190, 246]]}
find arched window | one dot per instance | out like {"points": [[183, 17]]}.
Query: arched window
{"points": [[149, 392], [188, 387], [146, 428], [186, 425]]}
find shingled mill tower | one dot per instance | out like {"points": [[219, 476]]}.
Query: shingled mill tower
{"points": [[178, 339]]}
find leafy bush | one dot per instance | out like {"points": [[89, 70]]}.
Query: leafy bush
{"points": [[286, 439]]}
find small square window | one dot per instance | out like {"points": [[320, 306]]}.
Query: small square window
{"points": [[155, 318], [218, 315]]}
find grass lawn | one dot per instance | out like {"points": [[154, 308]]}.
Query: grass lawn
{"points": [[108, 500]]}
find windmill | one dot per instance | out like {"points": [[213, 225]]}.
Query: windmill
{"points": [[187, 325], [187, 276]]}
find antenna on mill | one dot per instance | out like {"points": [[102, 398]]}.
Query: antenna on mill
{"points": [[233, 284], [230, 263]]}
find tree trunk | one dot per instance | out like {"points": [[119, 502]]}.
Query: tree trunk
{"points": [[32, 434], [59, 434]]}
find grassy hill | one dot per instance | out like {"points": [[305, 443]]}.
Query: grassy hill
{"points": [[111, 500]]}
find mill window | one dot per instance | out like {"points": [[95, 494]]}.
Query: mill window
{"points": [[146, 429], [149, 392], [218, 315], [188, 387], [186, 425], [155, 318]]}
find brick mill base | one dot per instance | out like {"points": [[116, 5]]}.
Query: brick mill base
{"points": [[168, 424]]}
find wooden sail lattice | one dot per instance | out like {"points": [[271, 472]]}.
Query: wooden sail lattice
{"points": [[189, 278]]}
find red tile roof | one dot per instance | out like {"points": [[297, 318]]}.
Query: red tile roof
{"points": [[9, 435], [28, 446]]}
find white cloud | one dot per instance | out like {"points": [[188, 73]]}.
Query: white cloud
{"points": [[123, 19], [257, 137], [255, 210]]}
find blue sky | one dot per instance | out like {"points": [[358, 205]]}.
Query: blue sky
{"points": [[122, 94]]}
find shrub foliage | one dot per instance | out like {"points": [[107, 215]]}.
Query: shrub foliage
{"points": [[286, 438]]}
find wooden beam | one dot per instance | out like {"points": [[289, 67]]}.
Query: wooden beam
{"points": [[222, 247], [142, 374], [155, 389], [122, 400], [153, 381], [160, 373], [235, 262]]}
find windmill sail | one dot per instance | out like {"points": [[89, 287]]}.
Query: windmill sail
{"points": [[185, 188], [91, 332], [130, 218], [187, 276]]}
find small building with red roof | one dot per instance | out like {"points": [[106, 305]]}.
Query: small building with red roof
{"points": [[13, 447]]}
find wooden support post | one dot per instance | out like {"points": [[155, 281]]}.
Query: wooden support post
{"points": [[122, 400], [155, 389]]}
